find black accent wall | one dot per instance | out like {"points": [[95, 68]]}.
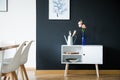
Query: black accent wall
{"points": [[102, 18]]}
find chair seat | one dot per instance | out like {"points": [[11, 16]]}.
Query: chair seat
{"points": [[6, 68], [7, 60]]}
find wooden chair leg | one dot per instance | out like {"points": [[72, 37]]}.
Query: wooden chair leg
{"points": [[21, 71], [15, 75], [7, 78], [4, 78], [25, 72], [11, 76]]}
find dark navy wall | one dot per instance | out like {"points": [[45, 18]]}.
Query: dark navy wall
{"points": [[102, 18]]}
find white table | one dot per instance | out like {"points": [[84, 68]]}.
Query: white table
{"points": [[85, 54]]}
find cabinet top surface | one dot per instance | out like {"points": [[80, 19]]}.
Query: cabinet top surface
{"points": [[82, 45]]}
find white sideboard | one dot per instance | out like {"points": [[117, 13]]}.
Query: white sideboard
{"points": [[82, 54]]}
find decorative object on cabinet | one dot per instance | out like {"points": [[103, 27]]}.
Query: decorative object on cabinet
{"points": [[87, 54], [72, 60], [59, 9], [83, 28], [3, 5], [71, 36]]}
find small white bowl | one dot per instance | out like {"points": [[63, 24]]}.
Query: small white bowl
{"points": [[72, 59]]}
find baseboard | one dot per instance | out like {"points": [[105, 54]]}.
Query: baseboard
{"points": [[39, 72]]}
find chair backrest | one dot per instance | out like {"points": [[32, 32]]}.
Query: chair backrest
{"points": [[24, 55], [16, 59]]}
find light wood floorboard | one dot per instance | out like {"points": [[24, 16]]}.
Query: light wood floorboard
{"points": [[32, 76]]}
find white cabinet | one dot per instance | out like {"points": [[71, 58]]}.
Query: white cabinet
{"points": [[82, 54]]}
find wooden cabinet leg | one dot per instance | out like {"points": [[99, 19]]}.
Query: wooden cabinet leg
{"points": [[66, 69], [97, 70]]}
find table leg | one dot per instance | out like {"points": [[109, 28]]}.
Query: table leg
{"points": [[66, 69], [97, 70]]}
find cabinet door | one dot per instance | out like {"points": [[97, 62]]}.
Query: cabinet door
{"points": [[92, 54]]}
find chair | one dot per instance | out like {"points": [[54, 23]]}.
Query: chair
{"points": [[8, 70], [24, 58]]}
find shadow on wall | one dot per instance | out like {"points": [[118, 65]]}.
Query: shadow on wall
{"points": [[111, 58]]}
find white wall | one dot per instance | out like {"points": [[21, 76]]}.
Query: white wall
{"points": [[19, 24]]}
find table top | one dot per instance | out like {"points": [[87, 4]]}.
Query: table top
{"points": [[8, 47]]}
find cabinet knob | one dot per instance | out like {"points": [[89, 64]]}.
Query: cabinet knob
{"points": [[83, 54]]}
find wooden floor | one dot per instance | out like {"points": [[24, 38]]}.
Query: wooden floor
{"points": [[32, 76], [77, 77]]}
